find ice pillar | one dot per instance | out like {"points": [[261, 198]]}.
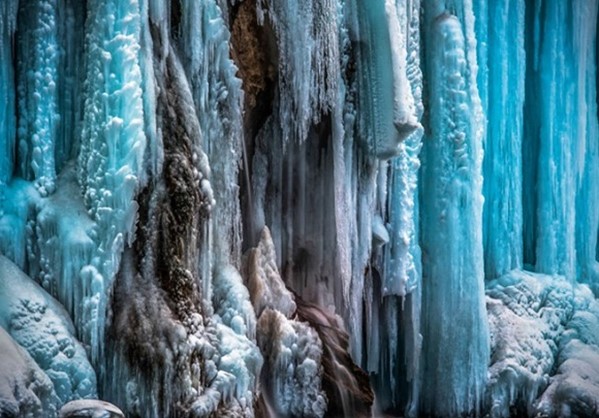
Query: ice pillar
{"points": [[454, 323], [584, 22], [8, 23], [561, 135], [504, 59], [37, 92]]}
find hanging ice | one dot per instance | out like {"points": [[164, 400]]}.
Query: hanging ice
{"points": [[386, 108]]}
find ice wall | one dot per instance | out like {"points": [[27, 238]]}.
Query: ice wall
{"points": [[386, 108]]}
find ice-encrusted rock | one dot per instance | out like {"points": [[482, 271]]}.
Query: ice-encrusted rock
{"points": [[25, 391], [41, 326], [91, 408], [292, 370], [293, 353], [544, 345], [267, 289], [347, 386]]}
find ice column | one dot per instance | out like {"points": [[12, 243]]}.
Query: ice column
{"points": [[503, 64], [586, 139], [8, 23], [561, 220], [112, 144], [394, 357], [454, 324], [37, 92], [402, 253], [556, 210], [71, 71]]}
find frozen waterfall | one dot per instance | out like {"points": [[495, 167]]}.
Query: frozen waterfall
{"points": [[284, 208]]}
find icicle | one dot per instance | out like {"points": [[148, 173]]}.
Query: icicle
{"points": [[306, 34]]}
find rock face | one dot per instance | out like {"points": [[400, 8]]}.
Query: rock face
{"points": [[251, 51]]}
